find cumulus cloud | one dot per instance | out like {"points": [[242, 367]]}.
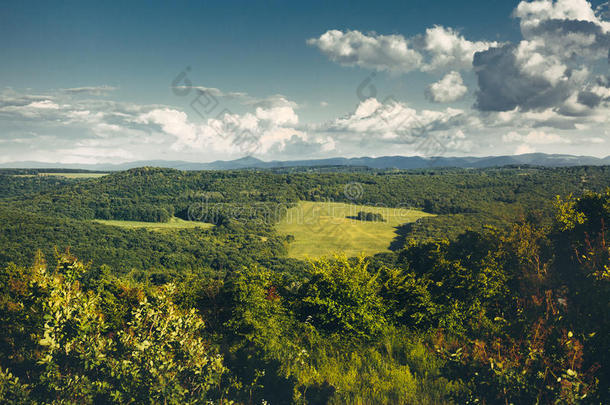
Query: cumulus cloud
{"points": [[535, 138], [380, 52], [44, 105], [392, 122], [439, 49], [265, 131], [71, 130], [508, 79], [524, 149], [550, 66], [450, 88], [595, 140], [533, 13], [278, 115], [528, 142], [596, 93], [172, 122], [447, 49]]}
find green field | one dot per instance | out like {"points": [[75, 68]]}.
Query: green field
{"points": [[174, 223], [84, 175], [76, 175], [324, 228]]}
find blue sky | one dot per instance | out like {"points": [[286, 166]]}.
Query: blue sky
{"points": [[92, 81]]}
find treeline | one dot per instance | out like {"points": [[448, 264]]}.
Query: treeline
{"points": [[518, 316]]}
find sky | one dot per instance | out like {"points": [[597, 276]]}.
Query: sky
{"points": [[111, 82]]}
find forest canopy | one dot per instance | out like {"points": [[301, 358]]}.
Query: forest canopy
{"points": [[514, 310]]}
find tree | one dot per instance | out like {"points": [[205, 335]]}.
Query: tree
{"points": [[159, 357]]}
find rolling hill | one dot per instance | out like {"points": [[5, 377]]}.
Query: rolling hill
{"points": [[383, 162]]}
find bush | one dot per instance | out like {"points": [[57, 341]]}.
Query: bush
{"points": [[370, 216]]}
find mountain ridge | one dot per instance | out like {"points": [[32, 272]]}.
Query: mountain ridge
{"points": [[382, 162]]}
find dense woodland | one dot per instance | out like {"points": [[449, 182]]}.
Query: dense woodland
{"points": [[502, 297]]}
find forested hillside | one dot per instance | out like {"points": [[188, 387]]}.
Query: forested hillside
{"points": [[501, 297]]}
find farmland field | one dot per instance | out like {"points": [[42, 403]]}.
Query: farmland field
{"points": [[68, 175], [325, 228], [84, 175], [173, 223]]}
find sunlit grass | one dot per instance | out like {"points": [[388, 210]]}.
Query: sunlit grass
{"points": [[325, 228], [173, 223], [84, 175], [76, 175]]}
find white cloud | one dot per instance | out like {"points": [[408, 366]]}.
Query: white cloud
{"points": [[512, 136], [447, 49], [535, 138], [278, 115], [523, 149], [393, 122], [533, 13], [450, 88], [595, 140], [37, 108], [438, 49], [380, 52], [83, 126], [219, 93], [544, 138], [258, 133], [172, 122], [44, 105], [214, 95], [549, 67]]}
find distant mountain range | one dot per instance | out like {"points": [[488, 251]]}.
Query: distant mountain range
{"points": [[384, 162]]}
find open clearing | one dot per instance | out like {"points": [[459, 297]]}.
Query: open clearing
{"points": [[76, 175], [84, 175], [324, 228], [174, 223]]}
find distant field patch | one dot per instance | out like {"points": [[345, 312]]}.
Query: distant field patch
{"points": [[76, 175], [174, 223], [67, 175], [323, 228]]}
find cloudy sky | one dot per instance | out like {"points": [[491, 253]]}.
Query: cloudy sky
{"points": [[101, 82]]}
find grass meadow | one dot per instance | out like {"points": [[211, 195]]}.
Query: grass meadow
{"points": [[324, 228], [173, 223]]}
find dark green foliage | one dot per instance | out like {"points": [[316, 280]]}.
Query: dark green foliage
{"points": [[22, 184], [127, 249], [342, 298], [369, 216]]}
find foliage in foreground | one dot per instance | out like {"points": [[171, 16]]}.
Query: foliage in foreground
{"points": [[158, 354]]}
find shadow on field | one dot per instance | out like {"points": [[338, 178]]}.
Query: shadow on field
{"points": [[402, 231]]}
